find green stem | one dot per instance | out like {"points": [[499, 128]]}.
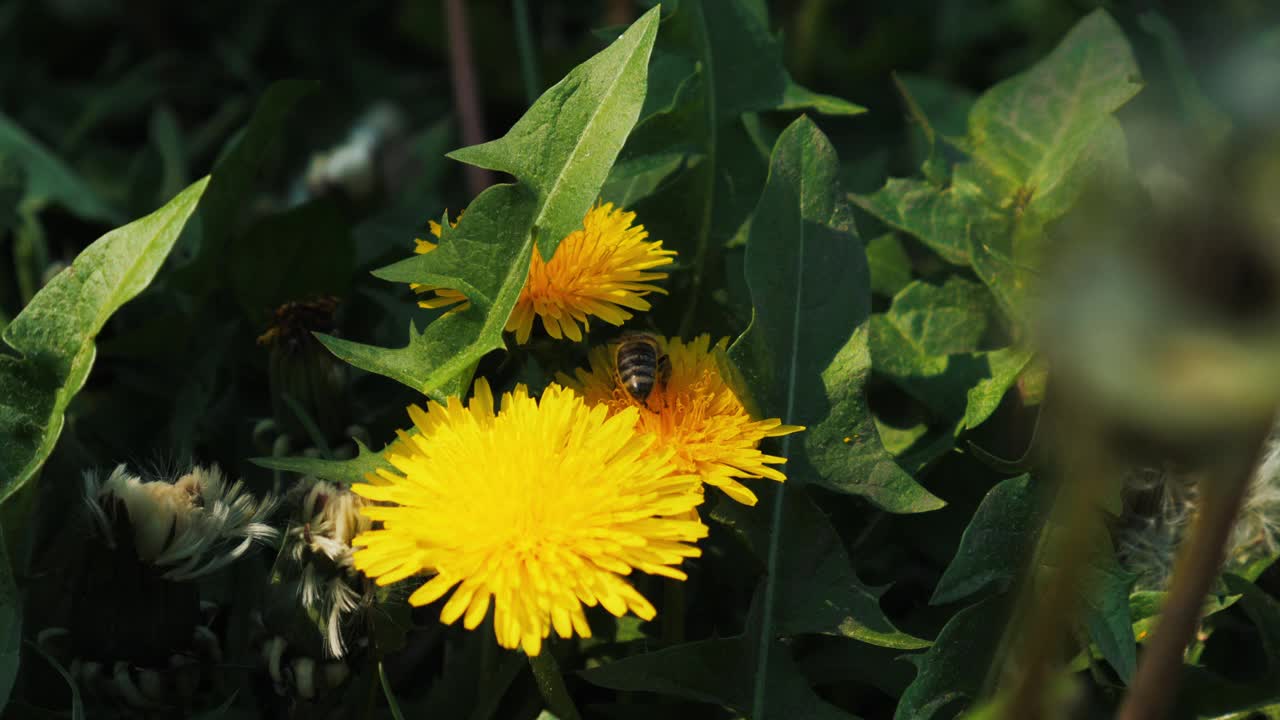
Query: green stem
{"points": [[524, 45], [551, 685]]}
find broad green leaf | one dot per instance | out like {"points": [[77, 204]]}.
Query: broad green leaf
{"points": [[53, 337], [942, 319], [940, 112], [487, 256], [744, 62], [817, 591], [994, 548], [939, 218], [350, 472], [804, 355], [564, 146], [713, 671], [1144, 609], [889, 264], [928, 343], [736, 65], [1106, 613], [48, 179], [1029, 131], [810, 289], [839, 661], [1034, 141], [955, 668]]}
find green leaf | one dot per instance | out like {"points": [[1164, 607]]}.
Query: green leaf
{"points": [[811, 292], [889, 264], [1106, 614], [487, 255], [942, 319], [1034, 141], [993, 549], [564, 146], [712, 671], [955, 668], [354, 470], [939, 218], [1145, 605], [737, 68], [804, 355], [928, 344], [817, 591], [54, 335], [1029, 131], [48, 179]]}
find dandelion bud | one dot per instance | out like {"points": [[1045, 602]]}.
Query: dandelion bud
{"points": [[304, 376]]}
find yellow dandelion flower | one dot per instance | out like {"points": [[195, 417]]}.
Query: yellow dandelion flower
{"points": [[439, 297], [696, 414], [600, 270], [542, 508]]}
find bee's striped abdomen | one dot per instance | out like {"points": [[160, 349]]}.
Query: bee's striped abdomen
{"points": [[637, 360]]}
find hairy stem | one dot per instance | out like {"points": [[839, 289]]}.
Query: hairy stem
{"points": [[551, 684]]}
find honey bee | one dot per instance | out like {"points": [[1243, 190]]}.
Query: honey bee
{"points": [[640, 363]]}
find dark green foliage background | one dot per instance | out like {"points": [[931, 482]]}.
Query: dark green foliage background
{"points": [[861, 195]]}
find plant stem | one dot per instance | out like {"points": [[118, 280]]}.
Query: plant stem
{"points": [[1042, 617], [1197, 566], [551, 684], [466, 89], [524, 45]]}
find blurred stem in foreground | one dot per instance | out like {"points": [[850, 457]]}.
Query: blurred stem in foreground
{"points": [[546, 672], [1199, 561], [466, 90], [528, 57], [1031, 648]]}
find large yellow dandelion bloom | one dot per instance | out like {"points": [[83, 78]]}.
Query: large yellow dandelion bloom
{"points": [[603, 270], [438, 297], [542, 508], [696, 414]]}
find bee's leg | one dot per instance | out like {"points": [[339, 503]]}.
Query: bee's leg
{"points": [[664, 370]]}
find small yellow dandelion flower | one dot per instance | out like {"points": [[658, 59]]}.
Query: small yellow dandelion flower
{"points": [[542, 507], [696, 414], [439, 297], [600, 270]]}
